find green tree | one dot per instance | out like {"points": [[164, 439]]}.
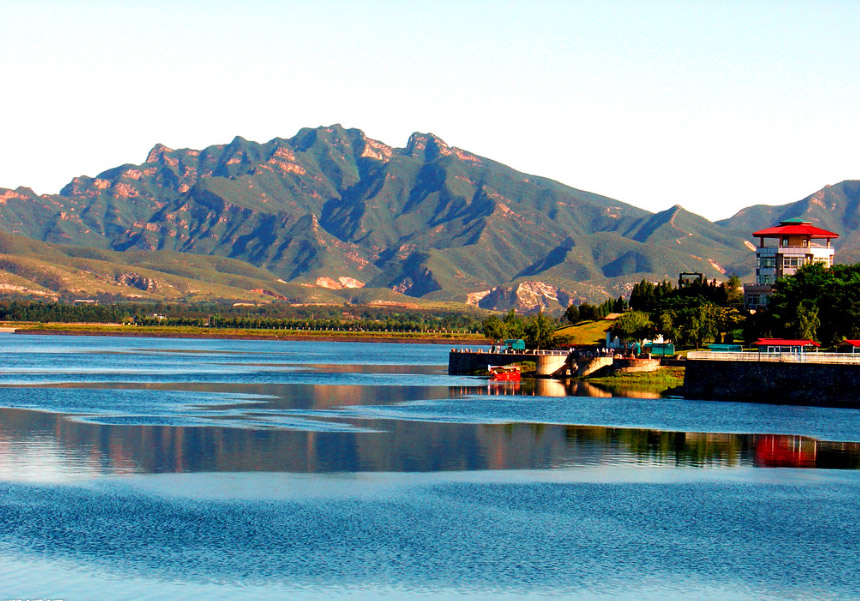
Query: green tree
{"points": [[633, 325], [539, 331], [571, 314], [588, 312], [702, 325], [514, 325], [494, 328], [734, 291], [665, 325], [807, 322], [728, 320]]}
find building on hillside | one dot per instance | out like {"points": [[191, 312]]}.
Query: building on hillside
{"points": [[781, 250]]}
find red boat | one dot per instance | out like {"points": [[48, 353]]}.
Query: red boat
{"points": [[504, 373]]}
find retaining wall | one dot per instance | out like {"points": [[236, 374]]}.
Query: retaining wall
{"points": [[825, 384], [586, 367], [635, 365]]}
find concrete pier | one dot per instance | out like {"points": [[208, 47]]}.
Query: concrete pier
{"points": [[548, 363], [466, 361], [587, 367]]}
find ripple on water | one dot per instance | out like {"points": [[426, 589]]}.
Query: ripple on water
{"points": [[516, 536]]}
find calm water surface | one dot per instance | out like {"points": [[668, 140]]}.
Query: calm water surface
{"points": [[152, 469]]}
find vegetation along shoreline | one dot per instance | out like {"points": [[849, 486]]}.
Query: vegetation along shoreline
{"points": [[127, 331]]}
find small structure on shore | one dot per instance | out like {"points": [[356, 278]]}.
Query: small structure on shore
{"points": [[725, 348], [658, 347], [849, 346], [781, 345], [633, 365], [514, 344]]}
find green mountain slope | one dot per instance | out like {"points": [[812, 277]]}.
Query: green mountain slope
{"points": [[333, 211], [39, 269]]}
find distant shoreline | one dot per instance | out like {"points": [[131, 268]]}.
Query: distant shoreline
{"points": [[322, 337]]}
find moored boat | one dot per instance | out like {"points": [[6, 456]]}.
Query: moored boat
{"points": [[504, 373]]}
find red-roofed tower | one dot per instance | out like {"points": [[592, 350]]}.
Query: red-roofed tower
{"points": [[797, 242]]}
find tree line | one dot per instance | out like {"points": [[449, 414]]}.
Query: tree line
{"points": [[538, 331], [691, 313], [588, 312], [274, 316], [818, 302]]}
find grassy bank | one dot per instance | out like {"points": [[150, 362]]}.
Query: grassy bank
{"points": [[585, 332], [656, 381]]}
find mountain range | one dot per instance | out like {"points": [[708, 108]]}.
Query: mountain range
{"points": [[331, 215]]}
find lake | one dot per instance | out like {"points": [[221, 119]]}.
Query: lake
{"points": [[143, 468]]}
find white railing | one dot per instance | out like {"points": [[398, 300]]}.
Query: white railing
{"points": [[557, 353], [845, 358]]}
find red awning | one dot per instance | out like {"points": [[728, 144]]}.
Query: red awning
{"points": [[795, 230], [850, 343], [783, 342]]}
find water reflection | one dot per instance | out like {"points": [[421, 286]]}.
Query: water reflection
{"points": [[247, 436], [329, 414], [556, 389], [35, 445], [787, 451], [535, 387]]}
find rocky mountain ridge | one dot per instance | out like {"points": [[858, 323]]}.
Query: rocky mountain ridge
{"points": [[331, 209]]}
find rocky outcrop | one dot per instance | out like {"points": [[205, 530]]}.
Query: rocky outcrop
{"points": [[135, 280], [525, 297]]}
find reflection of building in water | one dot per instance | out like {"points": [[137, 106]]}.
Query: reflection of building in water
{"points": [[785, 451]]}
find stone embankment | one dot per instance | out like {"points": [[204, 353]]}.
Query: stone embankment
{"points": [[815, 379]]}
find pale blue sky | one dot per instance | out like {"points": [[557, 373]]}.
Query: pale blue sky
{"points": [[711, 105]]}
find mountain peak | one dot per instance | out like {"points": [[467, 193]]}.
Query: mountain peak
{"points": [[428, 146], [374, 149], [157, 153], [326, 135]]}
